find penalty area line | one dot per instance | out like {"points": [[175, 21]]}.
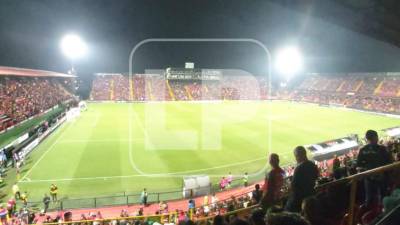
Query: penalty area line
{"points": [[176, 174]]}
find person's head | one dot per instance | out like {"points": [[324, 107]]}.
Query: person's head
{"points": [[257, 217], [311, 210], [219, 220], [68, 216], [372, 136], [274, 160], [286, 218], [300, 154], [257, 187], [237, 221]]}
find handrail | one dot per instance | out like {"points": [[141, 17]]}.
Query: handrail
{"points": [[229, 213], [354, 180], [361, 175], [159, 216]]}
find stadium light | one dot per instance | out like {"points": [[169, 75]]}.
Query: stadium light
{"points": [[73, 46], [289, 61]]}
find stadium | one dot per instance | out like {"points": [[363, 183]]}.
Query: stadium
{"points": [[201, 130]]}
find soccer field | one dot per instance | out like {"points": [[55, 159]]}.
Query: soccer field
{"points": [[123, 147]]}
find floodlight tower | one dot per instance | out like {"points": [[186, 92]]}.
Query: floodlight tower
{"points": [[73, 47], [289, 62]]}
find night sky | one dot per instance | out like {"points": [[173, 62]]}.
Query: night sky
{"points": [[30, 32]]}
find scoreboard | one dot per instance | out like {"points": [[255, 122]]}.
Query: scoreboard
{"points": [[192, 74]]}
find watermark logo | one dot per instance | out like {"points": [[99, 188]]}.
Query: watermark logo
{"points": [[196, 122]]}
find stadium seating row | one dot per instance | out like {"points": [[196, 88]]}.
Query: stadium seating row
{"points": [[380, 94], [149, 88]]}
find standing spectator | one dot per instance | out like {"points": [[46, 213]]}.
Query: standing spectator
{"points": [[3, 215], [229, 179], [46, 202], [303, 181], [222, 183], [336, 167], [273, 182], [245, 179], [16, 192], [11, 206], [191, 205], [372, 156], [214, 201], [143, 197], [256, 194], [205, 200], [53, 192], [24, 198]]}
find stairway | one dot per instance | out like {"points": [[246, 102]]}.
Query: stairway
{"points": [[340, 86], [112, 89], [359, 85], [171, 93], [188, 93], [378, 89], [131, 93]]}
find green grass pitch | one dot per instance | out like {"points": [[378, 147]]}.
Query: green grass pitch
{"points": [[114, 148]]}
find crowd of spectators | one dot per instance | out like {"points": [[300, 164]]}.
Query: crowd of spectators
{"points": [[153, 87], [24, 97], [380, 94]]}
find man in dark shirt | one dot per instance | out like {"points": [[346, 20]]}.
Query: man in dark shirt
{"points": [[46, 202], [256, 194], [370, 157], [303, 180]]}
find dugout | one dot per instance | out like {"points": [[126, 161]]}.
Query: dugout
{"points": [[196, 185]]}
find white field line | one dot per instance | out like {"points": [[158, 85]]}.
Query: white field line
{"points": [[138, 140], [130, 147], [262, 170], [176, 174], [48, 150], [96, 120]]}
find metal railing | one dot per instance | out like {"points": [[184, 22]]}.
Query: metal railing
{"points": [[124, 198], [353, 181], [172, 216]]}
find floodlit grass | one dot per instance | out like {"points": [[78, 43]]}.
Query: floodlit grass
{"points": [[115, 148]]}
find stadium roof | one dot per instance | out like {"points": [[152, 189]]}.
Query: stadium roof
{"points": [[13, 71], [379, 19]]}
